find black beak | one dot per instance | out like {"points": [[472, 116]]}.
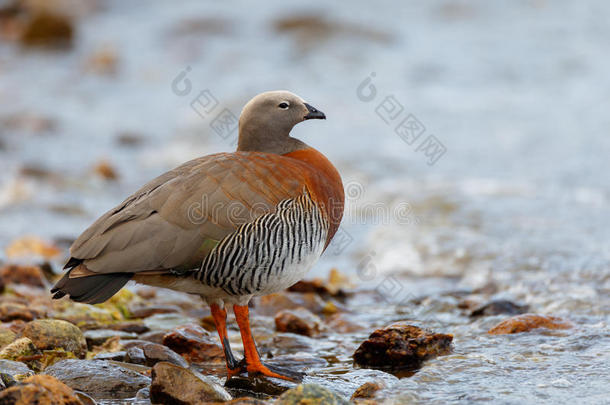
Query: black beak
{"points": [[314, 113]]}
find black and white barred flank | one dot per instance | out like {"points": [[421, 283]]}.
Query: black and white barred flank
{"points": [[270, 253]]}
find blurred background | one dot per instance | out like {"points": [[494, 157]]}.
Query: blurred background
{"points": [[471, 137]]}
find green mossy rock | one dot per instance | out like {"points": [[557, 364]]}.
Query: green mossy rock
{"points": [[310, 394]]}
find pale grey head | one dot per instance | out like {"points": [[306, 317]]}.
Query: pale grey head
{"points": [[266, 121]]}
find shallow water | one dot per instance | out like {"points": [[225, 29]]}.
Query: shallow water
{"points": [[515, 92]]}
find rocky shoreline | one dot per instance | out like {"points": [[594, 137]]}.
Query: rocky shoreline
{"points": [[152, 345]]}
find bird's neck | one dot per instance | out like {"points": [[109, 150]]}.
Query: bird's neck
{"points": [[256, 136]]}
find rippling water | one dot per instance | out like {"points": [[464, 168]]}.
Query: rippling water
{"points": [[516, 93]]}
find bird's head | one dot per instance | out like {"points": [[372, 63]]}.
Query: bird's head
{"points": [[266, 121]]}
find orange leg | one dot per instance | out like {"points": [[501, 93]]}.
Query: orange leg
{"points": [[220, 319], [254, 365]]}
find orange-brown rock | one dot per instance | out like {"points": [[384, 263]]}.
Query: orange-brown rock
{"points": [[335, 286], [25, 395], [271, 304], [299, 321], [30, 275], [105, 170], [194, 343], [10, 311], [401, 346], [527, 322], [144, 311], [40, 389], [172, 384], [367, 390], [6, 336], [61, 392], [50, 334], [48, 30]]}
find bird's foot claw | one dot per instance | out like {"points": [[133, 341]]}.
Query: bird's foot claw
{"points": [[238, 369], [265, 370], [276, 372]]}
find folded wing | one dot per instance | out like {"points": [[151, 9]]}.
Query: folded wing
{"points": [[175, 220]]}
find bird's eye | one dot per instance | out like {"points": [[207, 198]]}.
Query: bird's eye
{"points": [[284, 106]]}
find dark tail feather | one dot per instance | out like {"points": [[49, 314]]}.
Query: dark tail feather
{"points": [[90, 289], [73, 262]]}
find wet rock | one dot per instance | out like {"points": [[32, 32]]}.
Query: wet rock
{"points": [[332, 307], [335, 286], [343, 323], [135, 355], [84, 398], [154, 353], [299, 321], [16, 326], [469, 304], [10, 311], [138, 368], [400, 346], [527, 322], [298, 361], [7, 380], [115, 356], [109, 346], [134, 327], [310, 286], [155, 336], [246, 401], [172, 384], [28, 275], [259, 384], [6, 336], [48, 390], [143, 394], [194, 343], [14, 368], [20, 349], [100, 379], [367, 390], [497, 307], [52, 334], [310, 394], [144, 311], [130, 327], [98, 337], [49, 357]]}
